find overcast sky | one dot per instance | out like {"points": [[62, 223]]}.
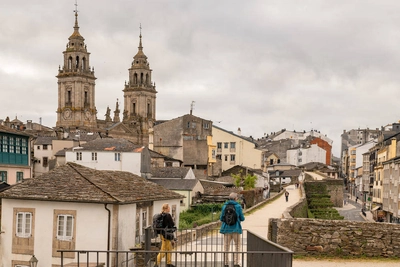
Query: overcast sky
{"points": [[258, 65]]}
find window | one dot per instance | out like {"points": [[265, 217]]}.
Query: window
{"points": [[144, 221], [117, 156], [44, 147], [213, 153], [194, 124], [226, 157], [24, 146], [137, 232], [78, 155], [45, 161], [233, 145], [94, 156], [206, 125], [3, 176], [18, 145], [226, 145], [24, 224], [219, 156], [219, 145], [64, 227], [188, 124], [5, 144], [20, 176], [233, 157]]}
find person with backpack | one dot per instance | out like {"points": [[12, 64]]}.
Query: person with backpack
{"points": [[166, 235], [231, 228]]}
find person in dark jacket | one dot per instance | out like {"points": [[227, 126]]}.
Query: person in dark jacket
{"points": [[166, 236], [232, 232]]}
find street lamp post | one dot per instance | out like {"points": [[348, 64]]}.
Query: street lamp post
{"points": [[33, 261]]}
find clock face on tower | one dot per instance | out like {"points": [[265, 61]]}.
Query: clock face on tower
{"points": [[67, 114]]}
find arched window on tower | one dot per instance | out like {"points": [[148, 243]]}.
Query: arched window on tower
{"points": [[69, 97], [148, 110], [147, 79], [83, 63], [86, 98], [77, 62], [70, 63], [135, 78], [134, 108], [141, 78]]}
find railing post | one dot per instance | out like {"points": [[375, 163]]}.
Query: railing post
{"points": [[147, 244]]}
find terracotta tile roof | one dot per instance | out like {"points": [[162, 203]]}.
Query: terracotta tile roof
{"points": [[76, 183], [170, 172], [109, 144]]}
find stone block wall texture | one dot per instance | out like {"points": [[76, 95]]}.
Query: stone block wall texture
{"points": [[335, 190], [299, 210], [340, 238]]}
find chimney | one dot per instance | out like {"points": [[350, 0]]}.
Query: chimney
{"points": [[239, 132], [29, 124]]}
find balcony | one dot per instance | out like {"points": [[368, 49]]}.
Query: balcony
{"points": [[197, 247]]}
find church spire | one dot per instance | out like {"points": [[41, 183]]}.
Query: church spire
{"points": [[140, 38], [76, 33]]}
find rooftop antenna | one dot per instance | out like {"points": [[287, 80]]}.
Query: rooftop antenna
{"points": [[192, 107]]}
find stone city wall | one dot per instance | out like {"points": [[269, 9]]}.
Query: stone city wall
{"points": [[340, 238]]}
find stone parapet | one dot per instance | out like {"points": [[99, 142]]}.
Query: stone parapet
{"points": [[336, 238]]}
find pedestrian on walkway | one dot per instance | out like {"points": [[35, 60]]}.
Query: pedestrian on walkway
{"points": [[287, 196], [231, 228], [167, 236]]}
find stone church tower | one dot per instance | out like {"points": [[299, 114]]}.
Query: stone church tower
{"points": [[76, 86], [140, 97]]}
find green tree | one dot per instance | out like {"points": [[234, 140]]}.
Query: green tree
{"points": [[246, 181]]}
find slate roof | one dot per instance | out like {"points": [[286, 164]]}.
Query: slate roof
{"points": [[170, 172], [176, 184], [110, 144], [155, 154], [44, 140], [5, 129], [239, 136], [76, 183], [285, 173], [60, 153]]}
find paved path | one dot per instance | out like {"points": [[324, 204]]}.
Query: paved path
{"points": [[257, 222]]}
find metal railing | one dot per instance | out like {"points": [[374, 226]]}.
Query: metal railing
{"points": [[193, 248]]}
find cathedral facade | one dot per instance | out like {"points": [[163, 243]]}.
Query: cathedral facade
{"points": [[76, 96]]}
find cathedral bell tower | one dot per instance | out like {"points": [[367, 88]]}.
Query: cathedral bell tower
{"points": [[76, 86], [140, 97]]}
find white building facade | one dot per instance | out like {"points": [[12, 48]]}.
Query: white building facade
{"points": [[303, 155]]}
